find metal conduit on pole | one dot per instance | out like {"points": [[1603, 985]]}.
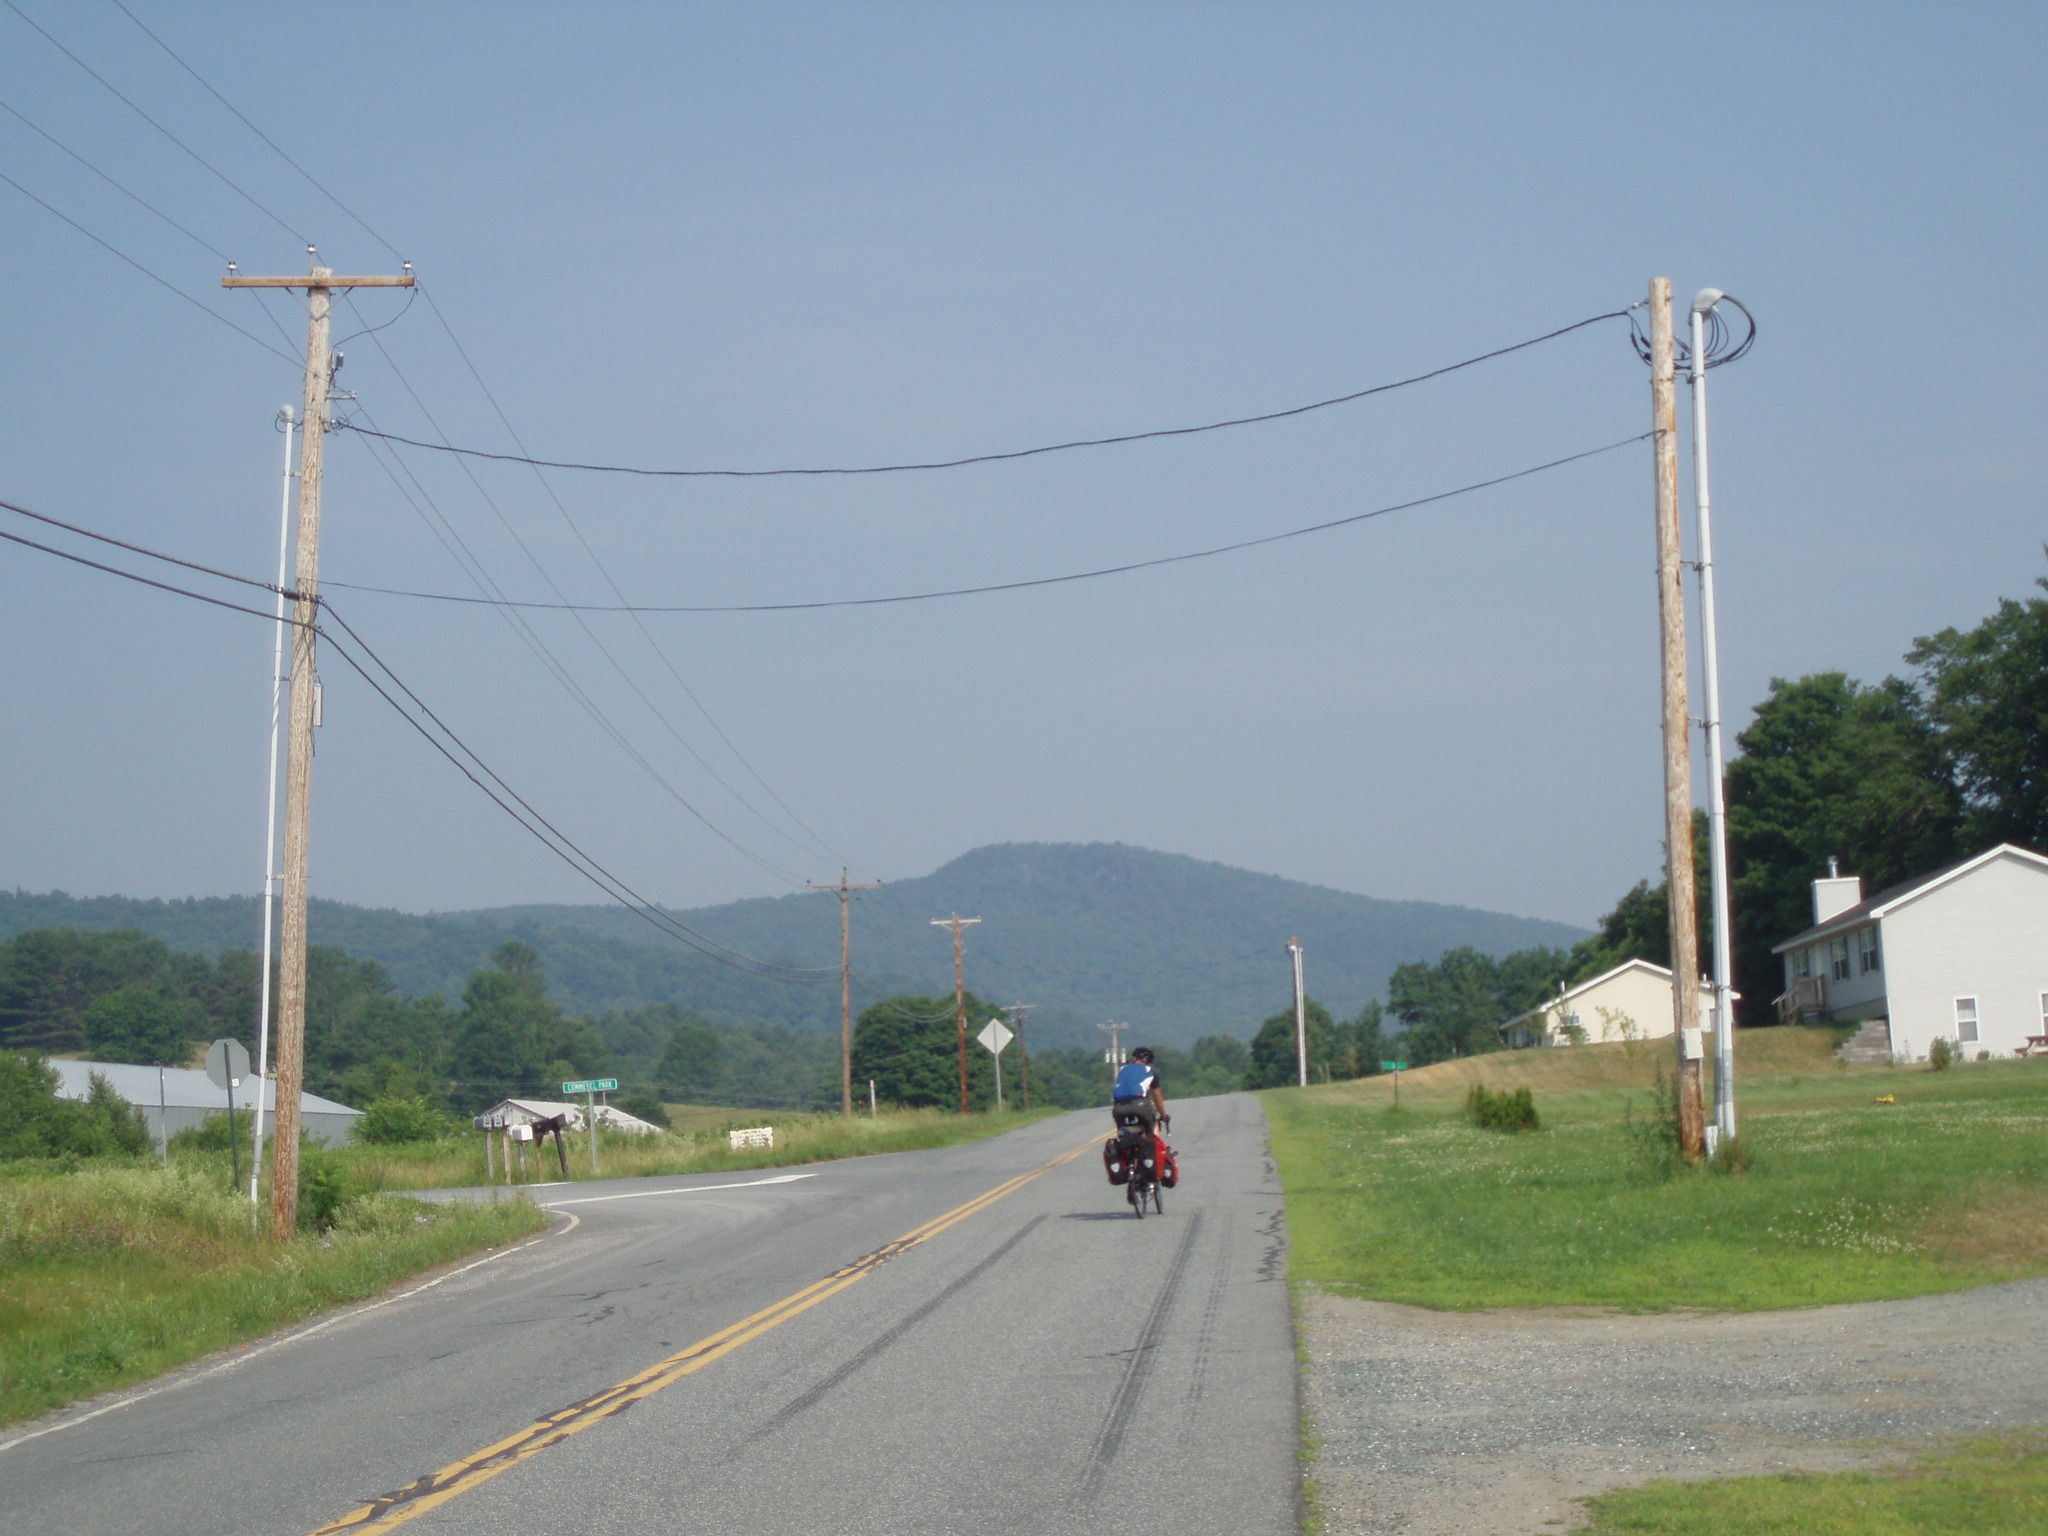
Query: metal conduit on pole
{"points": [[1300, 1018], [288, 421], [1703, 305]]}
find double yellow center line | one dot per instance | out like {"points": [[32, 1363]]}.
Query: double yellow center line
{"points": [[457, 1478]]}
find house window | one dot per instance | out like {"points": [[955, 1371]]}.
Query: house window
{"points": [[1799, 963], [1867, 957], [1966, 1019], [1838, 957]]}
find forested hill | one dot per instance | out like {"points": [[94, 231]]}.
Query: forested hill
{"points": [[1177, 946]]}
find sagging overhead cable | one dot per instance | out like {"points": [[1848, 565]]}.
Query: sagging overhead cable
{"points": [[995, 458]]}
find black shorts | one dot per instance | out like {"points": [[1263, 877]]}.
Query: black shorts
{"points": [[1139, 1109]]}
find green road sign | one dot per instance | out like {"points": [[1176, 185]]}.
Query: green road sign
{"points": [[592, 1085], [1393, 1066]]}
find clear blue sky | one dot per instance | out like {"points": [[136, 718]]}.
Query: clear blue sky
{"points": [[752, 235]]}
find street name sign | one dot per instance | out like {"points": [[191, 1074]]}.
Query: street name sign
{"points": [[1393, 1066], [592, 1085]]}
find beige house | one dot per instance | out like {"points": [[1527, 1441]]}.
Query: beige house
{"points": [[1630, 1002], [1960, 955]]}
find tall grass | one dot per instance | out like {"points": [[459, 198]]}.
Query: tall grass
{"points": [[111, 1274], [802, 1138], [1994, 1486], [1859, 1184]]}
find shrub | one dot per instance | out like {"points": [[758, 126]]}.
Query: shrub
{"points": [[36, 1123], [1940, 1056], [215, 1133], [323, 1187], [1501, 1111], [397, 1120]]}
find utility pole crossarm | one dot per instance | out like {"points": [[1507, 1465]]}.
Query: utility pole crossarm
{"points": [[236, 280]]}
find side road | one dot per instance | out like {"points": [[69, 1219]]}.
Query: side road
{"points": [[1441, 1424]]}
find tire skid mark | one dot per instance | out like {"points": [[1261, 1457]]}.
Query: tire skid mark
{"points": [[1205, 1337], [1124, 1406], [916, 1316]]}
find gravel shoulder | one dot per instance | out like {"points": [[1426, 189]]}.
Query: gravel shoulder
{"points": [[1453, 1423]]}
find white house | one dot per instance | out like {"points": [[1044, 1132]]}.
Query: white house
{"points": [[510, 1112], [1630, 1002], [1961, 955]]}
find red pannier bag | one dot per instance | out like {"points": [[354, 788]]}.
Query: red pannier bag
{"points": [[1169, 1167]]}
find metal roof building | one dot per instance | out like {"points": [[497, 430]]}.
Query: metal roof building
{"points": [[180, 1098]]}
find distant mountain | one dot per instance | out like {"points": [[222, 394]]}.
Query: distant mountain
{"points": [[1177, 946]]}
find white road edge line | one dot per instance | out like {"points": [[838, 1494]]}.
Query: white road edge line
{"points": [[687, 1189], [291, 1338]]}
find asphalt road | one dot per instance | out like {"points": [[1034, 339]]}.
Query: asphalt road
{"points": [[1035, 1362]]}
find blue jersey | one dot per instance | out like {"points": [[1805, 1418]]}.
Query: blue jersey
{"points": [[1133, 1081]]}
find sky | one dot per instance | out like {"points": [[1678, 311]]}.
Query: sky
{"points": [[758, 236]]}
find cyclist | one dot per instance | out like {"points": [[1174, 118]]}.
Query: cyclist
{"points": [[1137, 1091]]}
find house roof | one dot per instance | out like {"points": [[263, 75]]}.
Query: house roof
{"points": [[181, 1088], [525, 1111], [1661, 972], [1872, 908]]}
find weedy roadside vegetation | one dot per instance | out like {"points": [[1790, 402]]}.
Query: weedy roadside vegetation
{"points": [[1997, 1486], [113, 1272], [457, 1161], [1928, 1181]]}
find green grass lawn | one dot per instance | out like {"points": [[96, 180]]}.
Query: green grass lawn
{"points": [[109, 1275], [1847, 1198], [799, 1138], [1991, 1487]]}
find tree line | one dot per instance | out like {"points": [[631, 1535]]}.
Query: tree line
{"points": [[1893, 779]]}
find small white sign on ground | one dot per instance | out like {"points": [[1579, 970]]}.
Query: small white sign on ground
{"points": [[758, 1136], [995, 1035]]}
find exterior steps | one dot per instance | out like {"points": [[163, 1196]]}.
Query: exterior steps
{"points": [[1869, 1046]]}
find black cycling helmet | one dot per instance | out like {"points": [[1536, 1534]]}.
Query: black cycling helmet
{"points": [[1143, 1053]]}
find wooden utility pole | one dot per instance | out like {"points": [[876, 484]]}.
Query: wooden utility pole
{"points": [[1017, 1011], [845, 985], [956, 923], [319, 284], [1678, 870], [1116, 1045]]}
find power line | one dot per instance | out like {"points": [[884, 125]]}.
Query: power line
{"points": [[161, 586], [590, 706], [609, 882], [143, 549], [1016, 586], [126, 192], [214, 170], [817, 843], [552, 837], [645, 634], [165, 283], [266, 138], [1019, 453]]}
